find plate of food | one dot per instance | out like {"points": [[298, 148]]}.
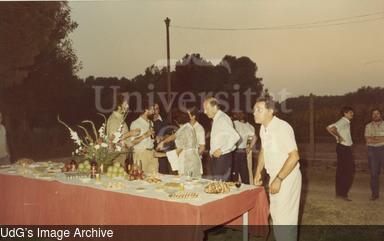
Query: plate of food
{"points": [[183, 195], [173, 184], [217, 187], [24, 161], [152, 180], [5, 166]]}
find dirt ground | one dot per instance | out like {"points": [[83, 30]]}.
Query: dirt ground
{"points": [[319, 205]]}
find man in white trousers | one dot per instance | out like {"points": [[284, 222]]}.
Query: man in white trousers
{"points": [[279, 156]]}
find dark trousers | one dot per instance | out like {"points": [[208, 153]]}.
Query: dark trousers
{"points": [[164, 166], [375, 159], [240, 166], [345, 170], [222, 167]]}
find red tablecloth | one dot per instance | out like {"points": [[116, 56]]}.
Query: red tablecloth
{"points": [[27, 201]]}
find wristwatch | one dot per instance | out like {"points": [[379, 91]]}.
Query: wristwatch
{"points": [[278, 177]]}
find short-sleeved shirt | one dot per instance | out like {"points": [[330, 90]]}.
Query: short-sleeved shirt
{"points": [[277, 140], [114, 122], [144, 126], [343, 126], [375, 129], [200, 133], [3, 142], [245, 131]]}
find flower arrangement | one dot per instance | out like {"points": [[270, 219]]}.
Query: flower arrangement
{"points": [[100, 148]]}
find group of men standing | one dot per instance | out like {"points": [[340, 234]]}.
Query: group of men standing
{"points": [[345, 169], [147, 133]]}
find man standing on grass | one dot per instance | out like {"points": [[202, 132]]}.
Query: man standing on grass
{"points": [[280, 157], [345, 168], [374, 135]]}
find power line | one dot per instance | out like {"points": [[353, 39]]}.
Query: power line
{"points": [[315, 24], [340, 19], [336, 24]]}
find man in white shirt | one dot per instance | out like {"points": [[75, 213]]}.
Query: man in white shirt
{"points": [[246, 132], [374, 136], [345, 168], [4, 153], [280, 157], [223, 140], [143, 149]]}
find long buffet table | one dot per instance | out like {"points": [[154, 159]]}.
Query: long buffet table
{"points": [[26, 200]]}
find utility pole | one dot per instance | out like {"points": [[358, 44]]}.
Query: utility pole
{"points": [[312, 147], [167, 22]]}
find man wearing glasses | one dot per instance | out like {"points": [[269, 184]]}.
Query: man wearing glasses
{"points": [[280, 157]]}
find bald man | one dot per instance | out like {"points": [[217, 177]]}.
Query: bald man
{"points": [[223, 140]]}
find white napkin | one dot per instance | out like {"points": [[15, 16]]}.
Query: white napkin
{"points": [[173, 159]]}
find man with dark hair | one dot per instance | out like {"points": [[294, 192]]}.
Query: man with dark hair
{"points": [[223, 139], [374, 136], [345, 169], [161, 131], [143, 150], [269, 103], [181, 118], [159, 123], [199, 129], [280, 157]]}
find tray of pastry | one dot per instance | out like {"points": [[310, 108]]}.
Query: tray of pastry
{"points": [[184, 195], [152, 180], [217, 187]]}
